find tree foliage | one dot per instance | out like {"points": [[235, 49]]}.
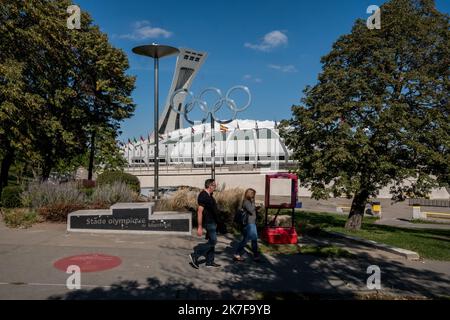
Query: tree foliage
{"points": [[58, 87], [379, 114]]}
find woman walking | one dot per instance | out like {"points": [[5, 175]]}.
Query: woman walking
{"points": [[249, 232]]}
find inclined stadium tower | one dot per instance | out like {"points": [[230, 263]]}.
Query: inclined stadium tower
{"points": [[239, 142], [187, 67]]}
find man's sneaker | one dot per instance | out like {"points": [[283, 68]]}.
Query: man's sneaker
{"points": [[238, 258], [212, 265], [194, 262]]}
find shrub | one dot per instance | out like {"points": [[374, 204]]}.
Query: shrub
{"points": [[59, 211], [109, 194], [109, 177], [20, 217], [11, 197], [47, 194], [88, 192], [228, 202], [96, 206], [54, 201], [185, 199], [85, 184]]}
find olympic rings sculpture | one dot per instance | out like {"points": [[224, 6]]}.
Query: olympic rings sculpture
{"points": [[210, 110]]}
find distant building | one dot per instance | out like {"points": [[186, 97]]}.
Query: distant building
{"points": [[240, 142]]}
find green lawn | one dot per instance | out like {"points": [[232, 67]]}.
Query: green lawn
{"points": [[430, 244]]}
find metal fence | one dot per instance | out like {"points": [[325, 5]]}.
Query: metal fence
{"points": [[429, 203]]}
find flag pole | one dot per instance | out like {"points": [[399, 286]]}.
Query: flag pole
{"points": [[213, 150], [225, 140], [179, 144], [203, 149], [148, 154], [167, 158], [134, 155], [129, 155], [192, 148], [256, 144]]}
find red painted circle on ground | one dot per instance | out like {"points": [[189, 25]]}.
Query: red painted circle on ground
{"points": [[89, 262]]}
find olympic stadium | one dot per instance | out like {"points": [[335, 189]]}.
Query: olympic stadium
{"points": [[238, 142]]}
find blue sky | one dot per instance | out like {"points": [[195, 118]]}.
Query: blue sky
{"points": [[272, 46]]}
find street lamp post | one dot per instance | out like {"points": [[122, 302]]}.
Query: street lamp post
{"points": [[156, 51]]}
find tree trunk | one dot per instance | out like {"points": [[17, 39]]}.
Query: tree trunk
{"points": [[91, 156], [357, 210], [47, 168], [35, 172], [7, 161]]}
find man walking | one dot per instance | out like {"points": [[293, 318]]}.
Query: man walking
{"points": [[207, 216]]}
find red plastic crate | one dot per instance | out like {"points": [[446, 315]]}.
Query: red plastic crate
{"points": [[279, 235]]}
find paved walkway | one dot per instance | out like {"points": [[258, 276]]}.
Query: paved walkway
{"points": [[156, 267]]}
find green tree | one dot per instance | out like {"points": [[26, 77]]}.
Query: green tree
{"points": [[56, 85], [107, 155], [15, 124], [34, 35], [105, 88], [379, 114]]}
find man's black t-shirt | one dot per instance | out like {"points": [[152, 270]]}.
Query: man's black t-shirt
{"points": [[209, 203]]}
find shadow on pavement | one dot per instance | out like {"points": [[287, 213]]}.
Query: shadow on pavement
{"points": [[294, 276]]}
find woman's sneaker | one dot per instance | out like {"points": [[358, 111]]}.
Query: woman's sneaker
{"points": [[194, 261]]}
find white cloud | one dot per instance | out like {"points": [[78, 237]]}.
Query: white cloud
{"points": [[270, 41], [143, 30], [250, 78], [140, 24], [288, 69]]}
